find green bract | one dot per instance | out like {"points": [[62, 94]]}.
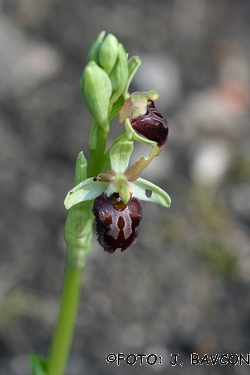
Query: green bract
{"points": [[133, 65], [78, 229]]}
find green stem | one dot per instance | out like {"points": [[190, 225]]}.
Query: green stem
{"points": [[97, 146], [66, 321], [78, 234]]}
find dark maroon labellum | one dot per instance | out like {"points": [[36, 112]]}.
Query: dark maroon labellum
{"points": [[152, 125], [116, 222]]}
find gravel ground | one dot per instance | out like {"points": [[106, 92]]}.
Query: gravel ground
{"points": [[184, 287]]}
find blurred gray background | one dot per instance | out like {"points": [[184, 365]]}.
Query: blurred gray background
{"points": [[185, 286]]}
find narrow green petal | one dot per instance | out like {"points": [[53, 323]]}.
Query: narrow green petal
{"points": [[159, 196], [133, 173], [85, 191]]}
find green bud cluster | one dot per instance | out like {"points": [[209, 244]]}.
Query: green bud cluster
{"points": [[105, 77]]}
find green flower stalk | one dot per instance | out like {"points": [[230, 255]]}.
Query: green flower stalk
{"points": [[106, 188]]}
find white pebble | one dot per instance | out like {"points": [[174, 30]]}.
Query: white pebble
{"points": [[209, 162]]}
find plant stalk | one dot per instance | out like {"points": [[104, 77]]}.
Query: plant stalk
{"points": [[78, 234], [66, 320]]}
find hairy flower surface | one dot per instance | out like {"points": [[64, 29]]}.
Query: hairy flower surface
{"points": [[116, 222], [152, 125]]}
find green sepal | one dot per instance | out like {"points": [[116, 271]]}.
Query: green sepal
{"points": [[96, 90], [136, 136], [85, 191], [38, 364], [108, 53], [119, 155], [124, 137], [94, 48], [119, 74], [158, 195]]}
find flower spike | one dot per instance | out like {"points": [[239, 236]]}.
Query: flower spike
{"points": [[115, 187]]}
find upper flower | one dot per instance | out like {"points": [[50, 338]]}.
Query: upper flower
{"points": [[152, 125], [143, 120]]}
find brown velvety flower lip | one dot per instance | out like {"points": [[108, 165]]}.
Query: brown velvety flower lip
{"points": [[116, 222]]}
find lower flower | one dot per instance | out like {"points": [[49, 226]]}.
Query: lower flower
{"points": [[116, 222], [117, 195]]}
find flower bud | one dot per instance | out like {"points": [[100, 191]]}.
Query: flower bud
{"points": [[94, 48], [108, 53], [119, 74], [152, 125], [96, 91], [116, 222]]}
